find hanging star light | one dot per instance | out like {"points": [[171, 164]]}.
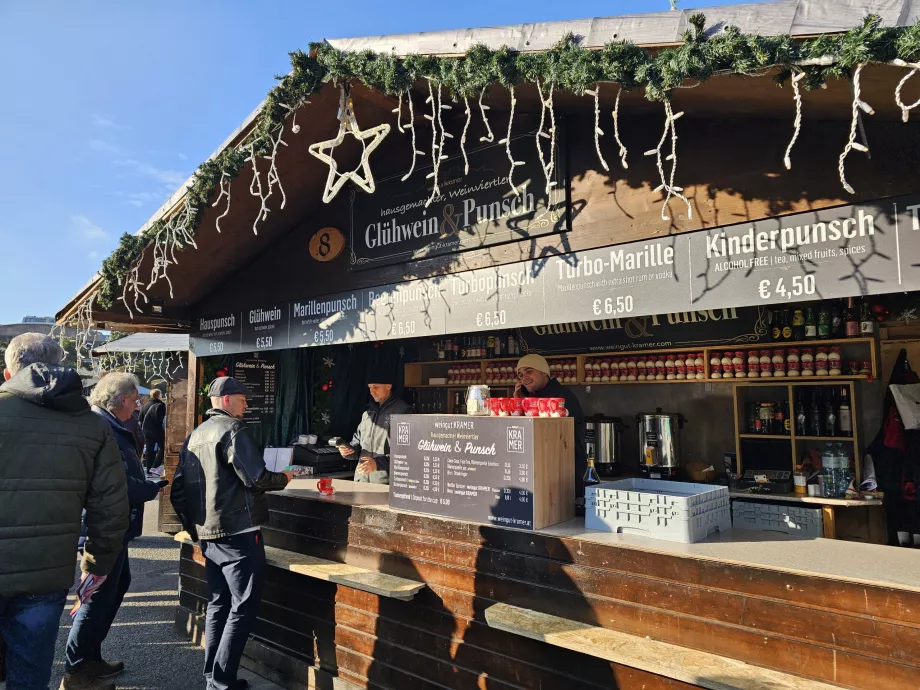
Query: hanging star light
{"points": [[361, 175]]}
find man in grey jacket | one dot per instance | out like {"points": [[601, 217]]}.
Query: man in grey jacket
{"points": [[219, 495], [371, 441], [56, 459]]}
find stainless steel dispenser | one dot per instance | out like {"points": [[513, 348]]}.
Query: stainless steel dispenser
{"points": [[659, 444]]}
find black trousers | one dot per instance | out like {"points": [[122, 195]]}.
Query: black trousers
{"points": [[234, 567], [154, 450]]}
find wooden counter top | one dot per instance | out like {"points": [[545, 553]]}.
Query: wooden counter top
{"points": [[883, 566]]}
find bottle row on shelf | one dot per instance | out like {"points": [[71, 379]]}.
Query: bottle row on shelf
{"points": [[651, 367], [782, 362], [831, 319], [818, 413]]}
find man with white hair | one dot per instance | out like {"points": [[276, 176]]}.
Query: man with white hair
{"points": [[56, 459], [114, 400]]}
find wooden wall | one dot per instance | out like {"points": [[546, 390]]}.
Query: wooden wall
{"points": [[858, 636], [180, 408]]}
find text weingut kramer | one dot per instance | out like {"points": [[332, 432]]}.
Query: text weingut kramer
{"points": [[790, 238]]}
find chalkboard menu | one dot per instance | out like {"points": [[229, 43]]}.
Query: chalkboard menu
{"points": [[477, 469], [259, 376]]}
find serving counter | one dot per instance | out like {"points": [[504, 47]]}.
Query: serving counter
{"points": [[839, 612]]}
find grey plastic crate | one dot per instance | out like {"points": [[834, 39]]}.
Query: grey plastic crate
{"points": [[799, 521], [674, 511]]}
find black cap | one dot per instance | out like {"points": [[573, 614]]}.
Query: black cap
{"points": [[381, 374], [226, 385]]}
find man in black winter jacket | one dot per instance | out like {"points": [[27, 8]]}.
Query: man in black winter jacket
{"points": [[153, 413], [219, 495]]}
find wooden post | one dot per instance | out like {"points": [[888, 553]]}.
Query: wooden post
{"points": [[181, 396], [830, 525]]}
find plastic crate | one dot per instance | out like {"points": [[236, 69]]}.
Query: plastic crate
{"points": [[674, 511], [798, 521]]}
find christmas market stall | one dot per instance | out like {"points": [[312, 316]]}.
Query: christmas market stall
{"points": [[702, 229]]}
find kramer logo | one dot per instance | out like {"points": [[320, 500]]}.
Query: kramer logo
{"points": [[402, 434], [515, 439]]}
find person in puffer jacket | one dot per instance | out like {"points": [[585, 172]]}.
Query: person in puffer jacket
{"points": [[56, 458], [114, 400]]}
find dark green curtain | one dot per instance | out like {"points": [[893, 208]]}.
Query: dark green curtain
{"points": [[294, 396]]}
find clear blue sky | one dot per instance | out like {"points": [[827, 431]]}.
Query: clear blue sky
{"points": [[107, 106]]}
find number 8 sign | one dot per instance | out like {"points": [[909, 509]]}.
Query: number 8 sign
{"points": [[327, 244]]}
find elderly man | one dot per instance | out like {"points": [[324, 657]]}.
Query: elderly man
{"points": [[371, 442], [219, 495], [56, 458], [534, 381], [114, 400], [153, 413]]}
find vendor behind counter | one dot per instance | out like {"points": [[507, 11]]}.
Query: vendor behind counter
{"points": [[534, 381]]}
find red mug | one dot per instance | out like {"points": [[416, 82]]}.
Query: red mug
{"points": [[496, 406], [552, 407], [516, 407], [324, 486], [531, 407]]}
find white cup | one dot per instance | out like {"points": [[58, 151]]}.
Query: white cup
{"points": [[904, 538]]}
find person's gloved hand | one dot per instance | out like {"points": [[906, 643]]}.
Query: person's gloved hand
{"points": [[163, 482]]}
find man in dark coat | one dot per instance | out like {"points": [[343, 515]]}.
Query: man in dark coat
{"points": [[153, 413], [114, 399], [56, 459], [219, 495]]}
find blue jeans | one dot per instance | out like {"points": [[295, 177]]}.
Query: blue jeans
{"points": [[93, 620], [29, 627], [234, 567]]}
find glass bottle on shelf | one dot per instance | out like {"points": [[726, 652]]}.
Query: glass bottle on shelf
{"points": [[799, 481], [787, 325], [591, 477], [844, 416], [824, 321], [440, 347], [830, 418], [798, 325], [814, 416], [838, 327], [801, 418], [851, 321], [811, 325], [866, 322]]}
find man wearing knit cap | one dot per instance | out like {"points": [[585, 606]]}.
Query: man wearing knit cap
{"points": [[534, 381], [371, 442]]}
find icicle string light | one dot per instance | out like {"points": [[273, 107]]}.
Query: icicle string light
{"points": [[905, 109], [255, 189], [415, 152], [507, 142], [225, 181], [398, 111], [466, 126], [437, 139], [548, 167], [489, 137], [616, 130], [598, 132], [797, 125], [667, 184], [858, 105]]}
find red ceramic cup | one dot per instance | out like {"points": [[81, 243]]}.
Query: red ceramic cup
{"points": [[324, 486], [516, 406], [531, 407], [495, 406]]}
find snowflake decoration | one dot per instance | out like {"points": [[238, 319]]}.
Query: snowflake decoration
{"points": [[328, 362], [326, 418], [402, 352], [908, 315]]}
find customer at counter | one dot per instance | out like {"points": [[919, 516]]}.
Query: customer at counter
{"points": [[372, 439], [534, 381]]}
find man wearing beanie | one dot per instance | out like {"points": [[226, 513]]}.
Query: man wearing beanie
{"points": [[371, 442], [219, 495], [534, 381]]}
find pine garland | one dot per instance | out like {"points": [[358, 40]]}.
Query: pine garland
{"points": [[567, 66]]}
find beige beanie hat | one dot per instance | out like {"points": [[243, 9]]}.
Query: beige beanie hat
{"points": [[537, 362]]}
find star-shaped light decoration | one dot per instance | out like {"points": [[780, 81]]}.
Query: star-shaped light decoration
{"points": [[326, 418], [361, 175], [328, 362]]}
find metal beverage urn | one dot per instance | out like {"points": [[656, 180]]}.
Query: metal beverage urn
{"points": [[603, 443], [659, 444]]}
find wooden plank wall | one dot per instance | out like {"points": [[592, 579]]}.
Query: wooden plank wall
{"points": [[180, 404], [858, 636]]}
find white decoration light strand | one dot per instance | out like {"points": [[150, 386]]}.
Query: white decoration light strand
{"points": [[598, 132], [905, 109], [175, 234], [547, 104], [437, 139], [273, 177], [133, 283], [466, 126], [225, 181], [507, 142], [858, 104], [490, 137], [797, 95], [398, 111], [255, 189], [667, 184], [616, 130], [415, 152]]}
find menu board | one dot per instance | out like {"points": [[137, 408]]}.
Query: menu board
{"points": [[477, 469], [260, 378], [863, 249]]}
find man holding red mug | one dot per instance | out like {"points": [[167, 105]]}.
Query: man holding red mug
{"points": [[219, 495], [534, 381]]}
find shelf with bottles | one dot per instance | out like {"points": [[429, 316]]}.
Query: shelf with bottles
{"points": [[648, 367]]}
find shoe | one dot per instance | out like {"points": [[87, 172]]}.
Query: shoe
{"points": [[104, 669], [241, 684], [81, 680]]}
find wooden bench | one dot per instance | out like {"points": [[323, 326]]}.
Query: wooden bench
{"points": [[371, 581], [661, 658]]}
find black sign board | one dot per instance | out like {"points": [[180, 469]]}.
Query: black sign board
{"points": [[865, 249], [259, 375], [693, 329], [475, 209], [477, 469]]}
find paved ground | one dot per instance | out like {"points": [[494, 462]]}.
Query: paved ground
{"points": [[156, 657]]}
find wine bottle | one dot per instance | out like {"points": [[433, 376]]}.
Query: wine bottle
{"points": [[845, 417], [866, 322], [811, 325], [824, 322], [852, 324]]}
